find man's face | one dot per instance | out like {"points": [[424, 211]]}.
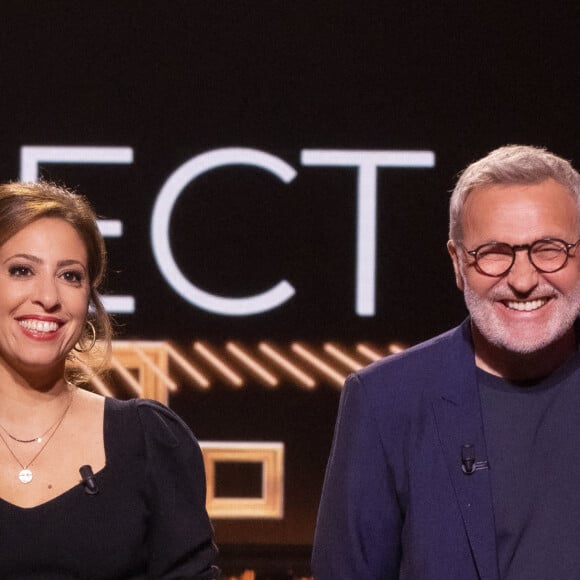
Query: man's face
{"points": [[524, 310]]}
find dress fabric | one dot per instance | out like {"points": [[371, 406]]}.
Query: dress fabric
{"points": [[148, 519]]}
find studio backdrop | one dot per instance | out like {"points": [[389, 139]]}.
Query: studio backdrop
{"points": [[272, 179]]}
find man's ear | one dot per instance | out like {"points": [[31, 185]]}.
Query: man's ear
{"points": [[452, 249]]}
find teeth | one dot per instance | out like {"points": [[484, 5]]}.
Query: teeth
{"points": [[39, 325], [526, 306]]}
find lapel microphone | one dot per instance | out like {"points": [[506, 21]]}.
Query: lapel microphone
{"points": [[468, 463], [88, 478]]}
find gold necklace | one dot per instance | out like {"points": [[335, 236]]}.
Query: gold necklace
{"points": [[34, 439], [25, 474]]}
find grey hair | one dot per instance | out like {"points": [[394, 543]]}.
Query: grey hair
{"points": [[512, 164]]}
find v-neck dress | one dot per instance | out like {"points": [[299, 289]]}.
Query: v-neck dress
{"points": [[148, 519]]}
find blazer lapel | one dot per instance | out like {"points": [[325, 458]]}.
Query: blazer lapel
{"points": [[459, 422]]}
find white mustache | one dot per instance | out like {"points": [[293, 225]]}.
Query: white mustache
{"points": [[539, 293]]}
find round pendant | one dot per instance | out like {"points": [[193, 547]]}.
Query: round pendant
{"points": [[25, 476]]}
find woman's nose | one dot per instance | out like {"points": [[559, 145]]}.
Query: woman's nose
{"points": [[46, 293]]}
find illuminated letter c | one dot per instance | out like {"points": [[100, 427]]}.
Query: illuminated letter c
{"points": [[160, 223]]}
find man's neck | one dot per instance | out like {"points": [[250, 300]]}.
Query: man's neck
{"points": [[522, 366]]}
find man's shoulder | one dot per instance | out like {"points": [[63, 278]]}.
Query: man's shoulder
{"points": [[422, 353], [424, 365]]}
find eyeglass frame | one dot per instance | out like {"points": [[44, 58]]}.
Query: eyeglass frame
{"points": [[518, 248]]}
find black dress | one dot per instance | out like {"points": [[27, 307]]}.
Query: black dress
{"points": [[148, 519]]}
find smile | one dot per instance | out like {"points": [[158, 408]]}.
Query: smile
{"points": [[38, 325], [526, 306]]}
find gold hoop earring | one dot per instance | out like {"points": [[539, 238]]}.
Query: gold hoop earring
{"points": [[93, 331]]}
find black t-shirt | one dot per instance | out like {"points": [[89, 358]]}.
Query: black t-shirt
{"points": [[532, 433]]}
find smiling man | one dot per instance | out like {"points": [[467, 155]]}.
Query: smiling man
{"points": [[459, 458]]}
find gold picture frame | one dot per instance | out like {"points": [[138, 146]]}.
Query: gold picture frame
{"points": [[270, 505]]}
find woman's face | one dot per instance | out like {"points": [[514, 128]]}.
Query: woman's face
{"points": [[44, 295]]}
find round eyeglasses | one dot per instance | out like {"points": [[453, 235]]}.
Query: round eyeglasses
{"points": [[496, 258]]}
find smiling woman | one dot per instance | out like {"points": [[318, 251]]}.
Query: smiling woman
{"points": [[22, 204], [87, 484]]}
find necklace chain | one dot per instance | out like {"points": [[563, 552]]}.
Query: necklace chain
{"points": [[25, 475], [40, 437], [34, 439]]}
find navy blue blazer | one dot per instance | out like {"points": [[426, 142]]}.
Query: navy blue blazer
{"points": [[396, 504]]}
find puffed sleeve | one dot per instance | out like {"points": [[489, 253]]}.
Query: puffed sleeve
{"points": [[358, 532], [179, 536]]}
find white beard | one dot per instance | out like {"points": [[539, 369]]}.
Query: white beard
{"points": [[524, 338]]}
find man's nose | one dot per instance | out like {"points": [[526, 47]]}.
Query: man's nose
{"points": [[523, 276]]}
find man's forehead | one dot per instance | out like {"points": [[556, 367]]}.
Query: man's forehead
{"points": [[524, 210], [545, 186]]}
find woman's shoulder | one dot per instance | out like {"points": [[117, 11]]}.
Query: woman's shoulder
{"points": [[88, 399], [156, 421]]}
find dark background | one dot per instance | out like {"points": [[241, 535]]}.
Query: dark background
{"points": [[176, 79]]}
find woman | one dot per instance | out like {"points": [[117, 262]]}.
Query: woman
{"points": [[136, 509]]}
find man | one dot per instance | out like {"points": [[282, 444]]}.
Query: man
{"points": [[459, 459]]}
